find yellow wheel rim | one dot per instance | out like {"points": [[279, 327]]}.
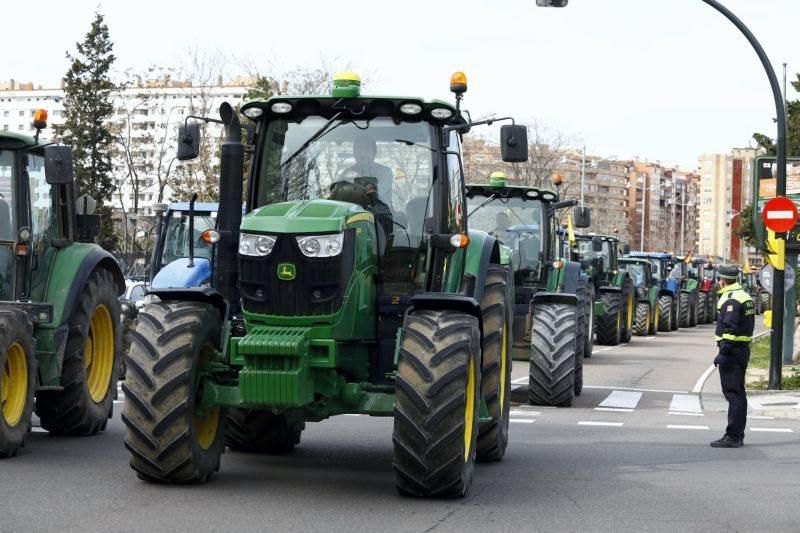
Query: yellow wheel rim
{"points": [[658, 314], [205, 427], [629, 319], [14, 384], [503, 363], [469, 412], [98, 353]]}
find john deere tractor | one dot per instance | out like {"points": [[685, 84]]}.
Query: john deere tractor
{"points": [[645, 320], [59, 314], [689, 294], [552, 313], [615, 303], [752, 284], [352, 285], [668, 288]]}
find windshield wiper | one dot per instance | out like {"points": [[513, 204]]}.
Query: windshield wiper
{"points": [[491, 198], [317, 135]]}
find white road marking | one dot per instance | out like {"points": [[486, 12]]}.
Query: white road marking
{"points": [[37, 429], [679, 426], [607, 424], [761, 417], [649, 338], [520, 381], [519, 421], [772, 430], [603, 387], [603, 349], [702, 379], [613, 409], [625, 399], [686, 414], [685, 403], [519, 412]]}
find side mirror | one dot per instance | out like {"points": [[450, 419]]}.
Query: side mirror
{"points": [[87, 223], [188, 141], [581, 218], [58, 165], [597, 244], [626, 249], [514, 143]]}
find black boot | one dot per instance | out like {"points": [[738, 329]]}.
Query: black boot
{"points": [[726, 442]]}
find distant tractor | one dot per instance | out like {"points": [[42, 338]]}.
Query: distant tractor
{"points": [[668, 288], [552, 310], [59, 312], [598, 256], [645, 321], [751, 282], [689, 293], [702, 270], [352, 285]]}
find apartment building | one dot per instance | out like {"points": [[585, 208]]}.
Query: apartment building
{"points": [[726, 182], [145, 122]]}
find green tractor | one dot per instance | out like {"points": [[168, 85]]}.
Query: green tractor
{"points": [[59, 314], [689, 292], [752, 284], [552, 309], [352, 285], [612, 289], [702, 270], [645, 320]]}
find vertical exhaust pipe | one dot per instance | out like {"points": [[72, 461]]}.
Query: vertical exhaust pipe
{"points": [[229, 216]]}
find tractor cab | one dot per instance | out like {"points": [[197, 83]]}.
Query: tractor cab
{"points": [[599, 256], [59, 312]]}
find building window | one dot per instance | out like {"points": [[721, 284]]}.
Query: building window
{"points": [[22, 113], [708, 164]]}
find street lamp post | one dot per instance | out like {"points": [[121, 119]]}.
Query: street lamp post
{"points": [[683, 205], [644, 189], [776, 339]]}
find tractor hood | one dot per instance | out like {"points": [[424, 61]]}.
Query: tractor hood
{"points": [[301, 217]]}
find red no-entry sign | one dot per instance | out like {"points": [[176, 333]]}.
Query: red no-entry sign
{"points": [[780, 214]]}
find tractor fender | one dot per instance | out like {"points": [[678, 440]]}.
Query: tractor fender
{"points": [[610, 288], [71, 270], [481, 250], [673, 286], [431, 301], [666, 292], [207, 295], [554, 297], [572, 273], [178, 274]]}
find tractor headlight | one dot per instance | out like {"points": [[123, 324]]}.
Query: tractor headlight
{"points": [[321, 245], [255, 245]]}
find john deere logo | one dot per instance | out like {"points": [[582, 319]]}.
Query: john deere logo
{"points": [[286, 271]]}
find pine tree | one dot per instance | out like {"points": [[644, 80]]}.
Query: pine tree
{"points": [[88, 110]]}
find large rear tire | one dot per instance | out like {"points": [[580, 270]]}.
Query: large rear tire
{"points": [[655, 316], [629, 311], [496, 370], [580, 337], [766, 303], [255, 431], [168, 439], [436, 407], [684, 309], [552, 362], [17, 380], [641, 324], [91, 363], [664, 313], [609, 326]]}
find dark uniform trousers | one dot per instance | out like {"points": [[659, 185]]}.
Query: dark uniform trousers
{"points": [[735, 324]]}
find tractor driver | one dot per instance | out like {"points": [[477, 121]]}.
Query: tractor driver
{"points": [[501, 224], [364, 151]]}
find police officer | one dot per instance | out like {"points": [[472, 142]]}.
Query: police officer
{"points": [[735, 322]]}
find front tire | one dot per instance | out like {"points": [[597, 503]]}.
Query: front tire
{"points": [[609, 326], [641, 324], [629, 301], [91, 363], [169, 441], [665, 313], [684, 310], [17, 380], [702, 299], [436, 407], [552, 361], [496, 369]]}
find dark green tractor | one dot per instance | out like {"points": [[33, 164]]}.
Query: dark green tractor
{"points": [[615, 300], [552, 310], [645, 320], [689, 292], [752, 284], [60, 343], [353, 284], [702, 270]]}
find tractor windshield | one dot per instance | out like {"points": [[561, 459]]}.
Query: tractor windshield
{"points": [[636, 271], [516, 222], [7, 223], [587, 255], [389, 164], [176, 242]]}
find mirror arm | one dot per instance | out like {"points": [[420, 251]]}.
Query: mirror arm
{"points": [[563, 203], [487, 122]]}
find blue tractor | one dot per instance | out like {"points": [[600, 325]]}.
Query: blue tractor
{"points": [[669, 288]]}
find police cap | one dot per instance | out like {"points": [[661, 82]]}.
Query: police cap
{"points": [[728, 272]]}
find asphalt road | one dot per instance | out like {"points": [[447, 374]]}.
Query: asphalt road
{"points": [[631, 455]]}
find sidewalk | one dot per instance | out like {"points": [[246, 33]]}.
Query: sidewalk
{"points": [[777, 404]]}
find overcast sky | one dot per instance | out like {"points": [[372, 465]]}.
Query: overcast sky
{"points": [[658, 79]]}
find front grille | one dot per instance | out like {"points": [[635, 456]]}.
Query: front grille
{"points": [[318, 286]]}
